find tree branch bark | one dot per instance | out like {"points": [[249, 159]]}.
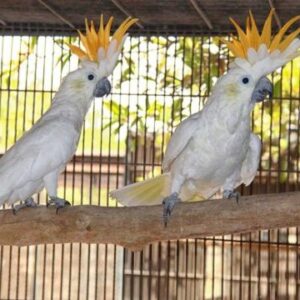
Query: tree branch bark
{"points": [[136, 227]]}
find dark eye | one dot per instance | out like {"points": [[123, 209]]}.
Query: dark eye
{"points": [[245, 80], [91, 77]]}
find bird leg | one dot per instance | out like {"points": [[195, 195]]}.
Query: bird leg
{"points": [[168, 204], [58, 202], [229, 194], [27, 203]]}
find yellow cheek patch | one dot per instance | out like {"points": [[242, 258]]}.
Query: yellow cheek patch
{"points": [[78, 84], [231, 90]]}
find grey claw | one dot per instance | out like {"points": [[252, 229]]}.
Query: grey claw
{"points": [[67, 203], [27, 203], [228, 194], [168, 205], [58, 202]]}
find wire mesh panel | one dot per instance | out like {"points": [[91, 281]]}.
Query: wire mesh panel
{"points": [[161, 79]]}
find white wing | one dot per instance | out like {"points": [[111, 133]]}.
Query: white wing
{"points": [[180, 139], [251, 162], [48, 145]]}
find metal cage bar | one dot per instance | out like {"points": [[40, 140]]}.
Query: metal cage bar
{"points": [[162, 78]]}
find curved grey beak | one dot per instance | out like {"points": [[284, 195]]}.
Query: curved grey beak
{"points": [[102, 88], [262, 89]]}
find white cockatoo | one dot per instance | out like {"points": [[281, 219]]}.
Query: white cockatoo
{"points": [[41, 154], [215, 149]]}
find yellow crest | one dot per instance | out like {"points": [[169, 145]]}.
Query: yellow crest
{"points": [[251, 38], [94, 40]]}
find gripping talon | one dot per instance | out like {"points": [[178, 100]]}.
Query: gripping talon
{"points": [[58, 202], [229, 194], [168, 205], [27, 203]]}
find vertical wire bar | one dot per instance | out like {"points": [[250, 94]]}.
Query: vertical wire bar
{"points": [[260, 190], [211, 62], [184, 243], [66, 179], [90, 200], [196, 40], [54, 252], [268, 188], [33, 121], [24, 116], [134, 138], [209, 78], [71, 251], [278, 182], [81, 203], [64, 176], [164, 118], [190, 111], [199, 105], [117, 251], [109, 167], [45, 252], [204, 239], [297, 188], [118, 174], [9, 85], [154, 147], [133, 174], [15, 138], [223, 239], [172, 130], [128, 180], [289, 170], [168, 54], [187, 242], [241, 267], [107, 249], [145, 146], [101, 155]]}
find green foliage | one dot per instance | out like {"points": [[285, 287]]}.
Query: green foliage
{"points": [[163, 77], [11, 68]]}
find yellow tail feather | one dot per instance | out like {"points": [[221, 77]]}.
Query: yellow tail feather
{"points": [[148, 192]]}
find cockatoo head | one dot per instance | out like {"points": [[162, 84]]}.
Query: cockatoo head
{"points": [[256, 56], [98, 58], [241, 87]]}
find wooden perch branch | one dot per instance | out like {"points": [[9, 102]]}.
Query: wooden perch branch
{"points": [[136, 227]]}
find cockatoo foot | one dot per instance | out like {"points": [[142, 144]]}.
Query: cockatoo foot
{"points": [[229, 194], [27, 203], [58, 202], [169, 203]]}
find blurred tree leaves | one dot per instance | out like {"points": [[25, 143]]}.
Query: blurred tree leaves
{"points": [[158, 82]]}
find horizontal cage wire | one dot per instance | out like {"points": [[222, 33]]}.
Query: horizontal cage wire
{"points": [[160, 80]]}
